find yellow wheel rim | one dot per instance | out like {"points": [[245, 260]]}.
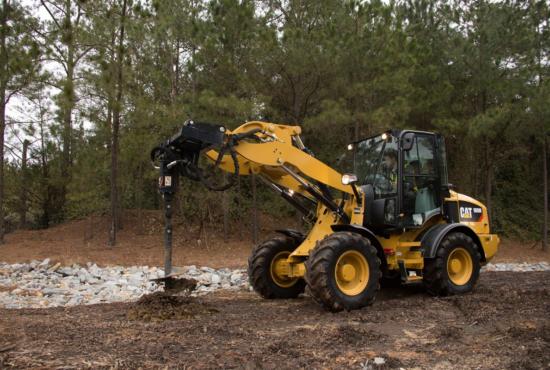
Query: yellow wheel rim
{"points": [[352, 273], [460, 266], [278, 272]]}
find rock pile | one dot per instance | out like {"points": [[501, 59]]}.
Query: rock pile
{"points": [[517, 267], [40, 284]]}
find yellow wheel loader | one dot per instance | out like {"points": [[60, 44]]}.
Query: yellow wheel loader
{"points": [[390, 216]]}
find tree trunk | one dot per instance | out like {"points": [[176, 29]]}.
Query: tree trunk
{"points": [[2, 129], [544, 143], [545, 181], [255, 221], [114, 188], [68, 103], [489, 192], [44, 180], [175, 67], [23, 187], [225, 211], [115, 133], [67, 125], [489, 174], [3, 77]]}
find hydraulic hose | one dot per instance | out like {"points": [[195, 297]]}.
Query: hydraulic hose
{"points": [[232, 178], [228, 147]]}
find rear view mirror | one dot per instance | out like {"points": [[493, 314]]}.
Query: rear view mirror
{"points": [[407, 141]]}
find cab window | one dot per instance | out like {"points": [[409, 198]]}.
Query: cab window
{"points": [[421, 182], [377, 163]]}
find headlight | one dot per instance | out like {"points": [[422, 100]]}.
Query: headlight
{"points": [[348, 178]]}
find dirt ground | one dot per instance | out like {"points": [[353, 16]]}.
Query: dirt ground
{"points": [[504, 323], [140, 243]]}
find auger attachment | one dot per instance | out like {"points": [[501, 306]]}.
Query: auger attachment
{"points": [[179, 156]]}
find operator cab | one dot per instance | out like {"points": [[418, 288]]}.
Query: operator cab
{"points": [[403, 174]]}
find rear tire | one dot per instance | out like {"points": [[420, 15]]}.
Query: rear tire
{"points": [[455, 268], [261, 274], [343, 272]]}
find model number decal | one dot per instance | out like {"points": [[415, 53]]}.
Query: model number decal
{"points": [[470, 212]]}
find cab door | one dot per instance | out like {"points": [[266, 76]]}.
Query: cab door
{"points": [[420, 186], [383, 181]]}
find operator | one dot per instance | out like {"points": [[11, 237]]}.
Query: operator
{"points": [[411, 170], [390, 164]]}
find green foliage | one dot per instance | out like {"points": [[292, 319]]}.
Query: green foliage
{"points": [[476, 71]]}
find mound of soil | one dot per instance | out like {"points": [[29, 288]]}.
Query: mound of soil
{"points": [[161, 306], [178, 284]]}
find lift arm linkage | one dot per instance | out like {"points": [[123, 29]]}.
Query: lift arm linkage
{"points": [[274, 152]]}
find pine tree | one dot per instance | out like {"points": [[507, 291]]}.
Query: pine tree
{"points": [[65, 39], [18, 67]]}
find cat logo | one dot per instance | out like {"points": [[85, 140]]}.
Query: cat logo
{"points": [[469, 212], [465, 212]]}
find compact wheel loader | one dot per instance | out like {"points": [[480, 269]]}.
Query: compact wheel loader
{"points": [[390, 217]]}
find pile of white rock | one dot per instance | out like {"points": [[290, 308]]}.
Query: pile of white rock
{"points": [[41, 284], [517, 267]]}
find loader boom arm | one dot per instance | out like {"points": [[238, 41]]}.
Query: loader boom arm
{"points": [[280, 149], [274, 152]]}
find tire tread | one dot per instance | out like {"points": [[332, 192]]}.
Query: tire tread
{"points": [[436, 278], [259, 264], [317, 266]]}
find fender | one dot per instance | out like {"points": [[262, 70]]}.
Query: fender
{"points": [[294, 234], [432, 238], [367, 233]]}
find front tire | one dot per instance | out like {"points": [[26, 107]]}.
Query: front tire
{"points": [[343, 272], [262, 272], [455, 268]]}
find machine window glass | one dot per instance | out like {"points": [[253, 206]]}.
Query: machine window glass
{"points": [[385, 182], [420, 181], [367, 157], [442, 158], [425, 147], [376, 163]]}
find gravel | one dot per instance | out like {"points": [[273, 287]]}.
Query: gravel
{"points": [[517, 267], [41, 284]]}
